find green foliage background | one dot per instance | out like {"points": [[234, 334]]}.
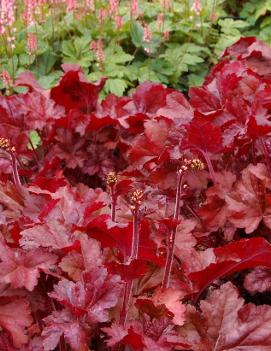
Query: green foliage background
{"points": [[195, 42]]}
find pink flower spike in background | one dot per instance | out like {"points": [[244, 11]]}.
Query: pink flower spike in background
{"points": [[197, 7], [147, 36], [134, 9], [160, 20], [7, 15], [118, 21], [7, 81], [32, 43], [100, 53], [71, 5], [114, 5], [166, 35]]}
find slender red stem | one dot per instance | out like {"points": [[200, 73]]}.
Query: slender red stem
{"points": [[210, 166], [266, 155], [15, 172], [126, 299], [133, 256], [113, 202], [172, 235], [135, 238]]}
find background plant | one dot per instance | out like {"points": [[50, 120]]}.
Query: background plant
{"points": [[140, 222], [171, 42]]}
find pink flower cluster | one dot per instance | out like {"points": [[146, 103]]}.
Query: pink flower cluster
{"points": [[97, 47], [114, 5], [7, 19], [7, 15], [32, 43], [71, 5], [197, 7]]}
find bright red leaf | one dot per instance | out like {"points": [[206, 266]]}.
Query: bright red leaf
{"points": [[75, 92], [232, 258]]}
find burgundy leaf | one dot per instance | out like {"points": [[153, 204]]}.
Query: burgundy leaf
{"points": [[74, 92], [254, 52], [202, 135], [231, 258]]}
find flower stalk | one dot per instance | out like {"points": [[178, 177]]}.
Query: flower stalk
{"points": [[265, 152], [188, 165], [172, 235], [6, 146], [111, 180], [136, 200]]}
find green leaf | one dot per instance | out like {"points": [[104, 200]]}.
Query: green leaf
{"points": [[77, 51], [137, 32], [115, 86], [229, 25], [94, 76], [120, 57], [145, 73], [262, 10], [26, 60], [47, 82], [35, 140], [46, 62]]}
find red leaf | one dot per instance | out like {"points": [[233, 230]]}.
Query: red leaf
{"points": [[21, 268], [258, 127], [202, 135], [214, 212], [231, 325], [204, 101], [136, 269], [123, 187], [155, 334], [177, 108], [248, 203], [36, 109], [63, 323], [259, 280], [93, 296], [119, 236], [150, 146], [254, 52], [74, 92], [165, 302], [15, 317], [117, 333], [234, 257], [6, 343], [149, 97]]}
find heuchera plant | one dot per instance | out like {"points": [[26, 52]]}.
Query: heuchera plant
{"points": [[141, 222]]}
